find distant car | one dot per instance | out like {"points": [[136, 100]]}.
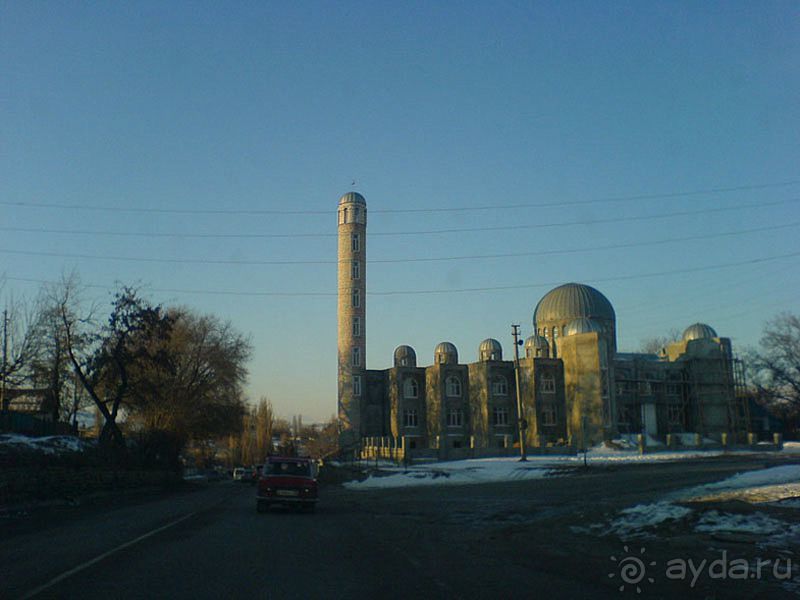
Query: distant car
{"points": [[289, 481], [240, 474]]}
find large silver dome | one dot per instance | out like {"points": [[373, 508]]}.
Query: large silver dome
{"points": [[699, 331], [490, 349], [445, 353], [404, 356], [352, 198], [573, 301]]}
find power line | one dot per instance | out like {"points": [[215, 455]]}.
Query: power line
{"points": [[591, 280], [443, 291], [244, 211], [551, 252], [617, 219]]}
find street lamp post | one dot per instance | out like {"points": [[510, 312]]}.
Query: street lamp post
{"points": [[522, 424]]}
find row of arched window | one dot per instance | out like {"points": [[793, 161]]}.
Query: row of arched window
{"points": [[453, 388], [350, 215]]}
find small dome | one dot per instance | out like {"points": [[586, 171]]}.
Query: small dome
{"points": [[577, 326], [445, 353], [404, 356], [490, 349], [537, 346], [573, 301], [699, 331], [352, 198]]}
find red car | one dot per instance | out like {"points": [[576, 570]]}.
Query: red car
{"points": [[287, 480]]}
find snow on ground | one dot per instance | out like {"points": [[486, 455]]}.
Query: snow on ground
{"points": [[791, 447], [764, 485], [779, 486], [758, 523], [775, 532], [52, 444], [457, 472], [634, 521], [509, 468]]}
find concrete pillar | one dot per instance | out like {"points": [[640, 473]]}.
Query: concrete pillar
{"points": [[724, 439], [670, 440], [640, 442], [777, 439], [698, 440], [751, 439]]}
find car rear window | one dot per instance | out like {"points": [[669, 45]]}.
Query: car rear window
{"points": [[288, 468]]}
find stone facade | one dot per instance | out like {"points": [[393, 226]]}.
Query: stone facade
{"points": [[576, 390], [352, 314]]}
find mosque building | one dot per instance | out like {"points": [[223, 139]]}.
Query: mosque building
{"points": [[575, 388]]}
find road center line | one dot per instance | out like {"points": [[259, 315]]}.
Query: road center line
{"points": [[102, 556]]}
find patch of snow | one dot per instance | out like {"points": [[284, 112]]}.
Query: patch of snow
{"points": [[791, 447], [52, 444], [452, 473], [635, 521], [757, 523], [763, 485]]}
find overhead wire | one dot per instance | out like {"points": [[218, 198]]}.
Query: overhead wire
{"points": [[548, 252], [446, 291], [429, 209], [616, 219]]}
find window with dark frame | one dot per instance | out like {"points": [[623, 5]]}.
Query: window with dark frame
{"points": [[499, 416]]}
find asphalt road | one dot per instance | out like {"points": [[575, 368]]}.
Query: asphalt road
{"points": [[513, 540]]}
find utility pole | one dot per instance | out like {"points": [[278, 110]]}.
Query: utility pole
{"points": [[3, 402], [522, 424]]}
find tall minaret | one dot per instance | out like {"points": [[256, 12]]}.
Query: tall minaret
{"points": [[352, 310]]}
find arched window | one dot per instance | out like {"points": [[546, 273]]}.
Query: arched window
{"points": [[500, 386], [555, 333], [345, 215], [355, 270], [410, 388], [453, 386], [548, 384]]}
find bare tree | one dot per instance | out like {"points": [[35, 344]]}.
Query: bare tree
{"points": [[323, 441], [103, 357], [264, 420], [654, 345], [774, 368], [20, 344], [195, 389]]}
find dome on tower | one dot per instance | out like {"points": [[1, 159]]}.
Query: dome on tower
{"points": [[699, 331], [573, 301], [583, 325], [445, 353], [404, 356], [490, 349], [352, 198], [536, 346]]}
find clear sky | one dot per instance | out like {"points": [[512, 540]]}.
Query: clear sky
{"points": [[234, 107]]}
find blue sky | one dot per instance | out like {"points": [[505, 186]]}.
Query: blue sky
{"points": [[280, 106]]}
